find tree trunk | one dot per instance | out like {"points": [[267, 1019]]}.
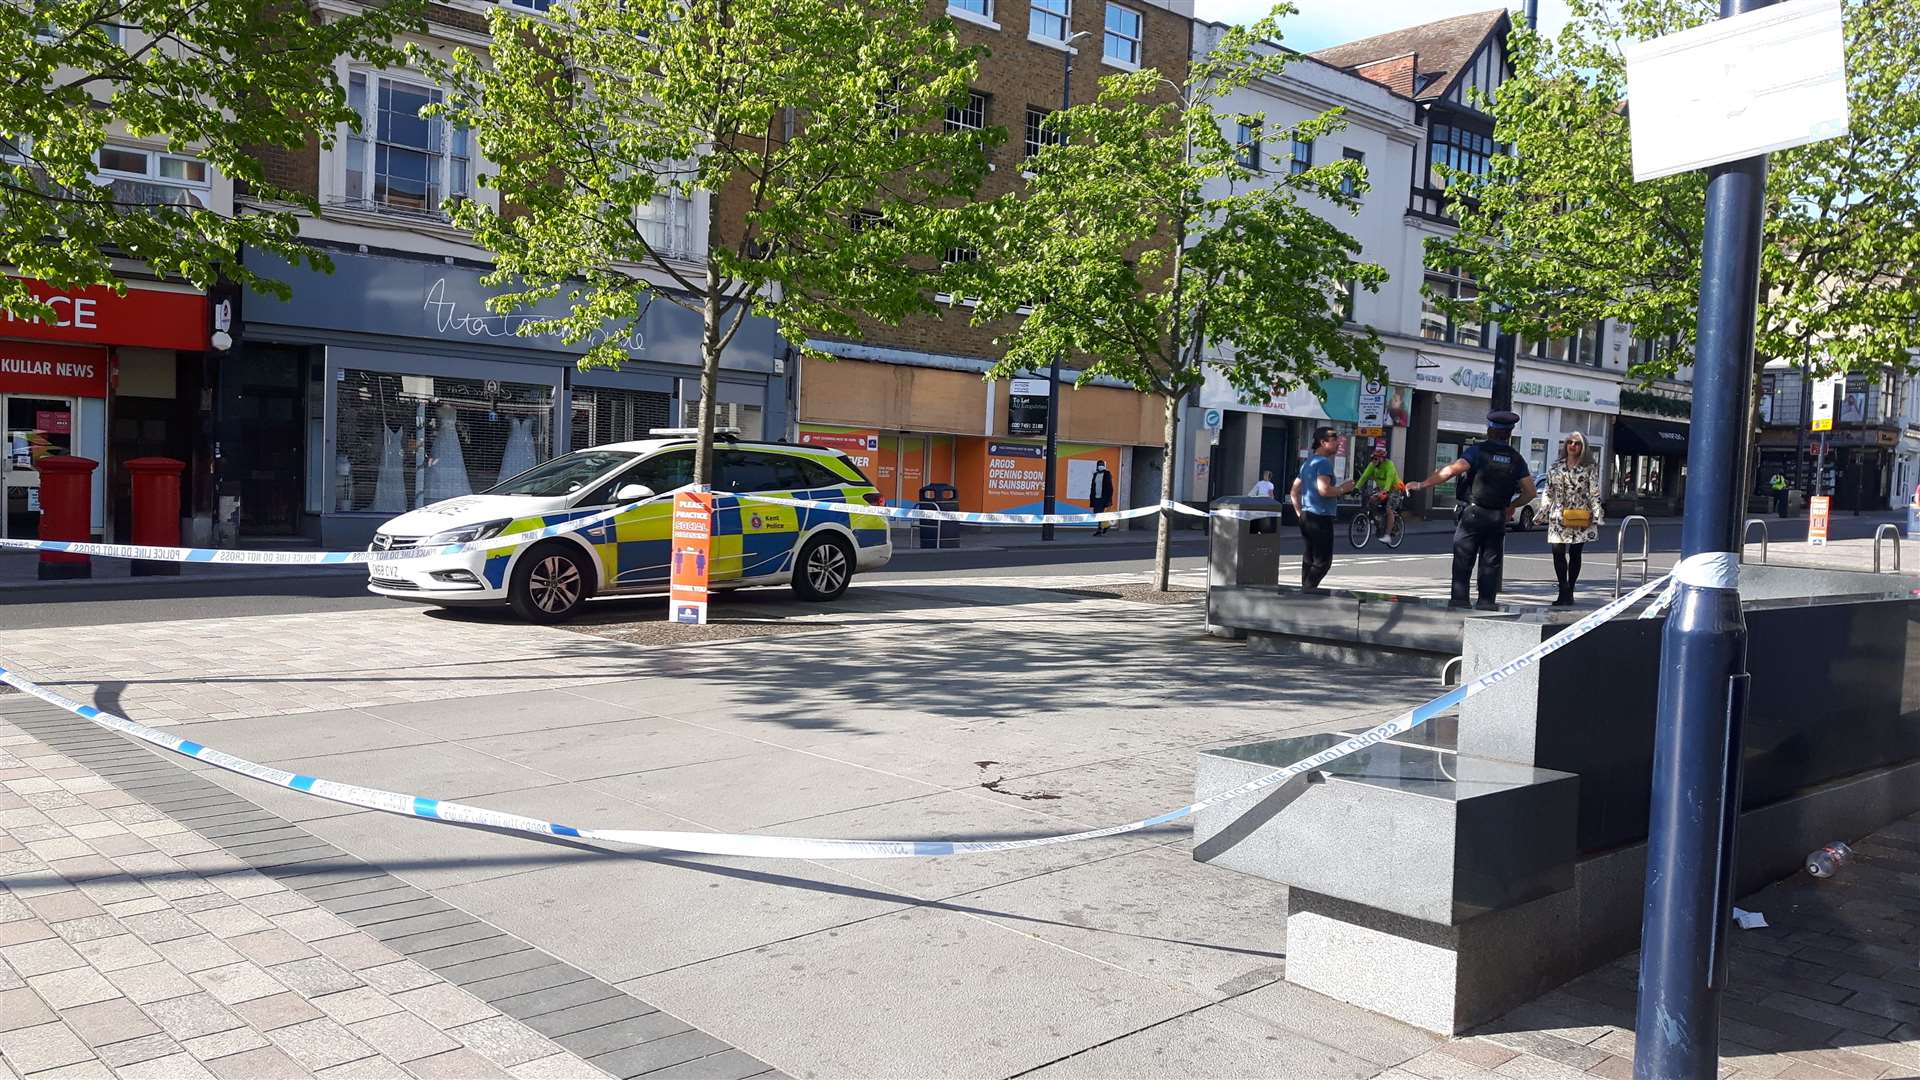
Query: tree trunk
{"points": [[709, 377], [1169, 461]]}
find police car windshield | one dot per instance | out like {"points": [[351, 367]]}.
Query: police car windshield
{"points": [[565, 474]]}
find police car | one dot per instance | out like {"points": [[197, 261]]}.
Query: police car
{"points": [[817, 552]]}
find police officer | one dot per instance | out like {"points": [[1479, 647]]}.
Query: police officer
{"points": [[1779, 487], [1492, 474]]}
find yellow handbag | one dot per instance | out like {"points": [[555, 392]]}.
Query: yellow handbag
{"points": [[1575, 518]]}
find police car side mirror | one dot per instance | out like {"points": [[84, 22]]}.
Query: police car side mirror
{"points": [[632, 493]]}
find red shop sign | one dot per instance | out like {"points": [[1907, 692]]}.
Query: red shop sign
{"points": [[53, 370], [95, 316]]}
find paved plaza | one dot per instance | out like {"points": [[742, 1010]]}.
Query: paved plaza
{"points": [[162, 918]]}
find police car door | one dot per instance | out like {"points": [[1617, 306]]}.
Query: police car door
{"points": [[634, 551], [753, 540]]}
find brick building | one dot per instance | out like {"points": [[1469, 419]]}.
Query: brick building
{"points": [[910, 400]]}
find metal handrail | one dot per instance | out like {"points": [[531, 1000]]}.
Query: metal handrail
{"points": [[1747, 532], [1620, 556], [1450, 666], [1886, 529]]}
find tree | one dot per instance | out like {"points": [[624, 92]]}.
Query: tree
{"points": [[1144, 245], [214, 79], [816, 130], [1558, 233]]}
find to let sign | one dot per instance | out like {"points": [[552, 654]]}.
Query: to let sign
{"points": [[692, 557], [1743, 86], [52, 370], [146, 318]]}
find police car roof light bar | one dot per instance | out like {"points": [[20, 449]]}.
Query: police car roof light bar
{"points": [[731, 434]]}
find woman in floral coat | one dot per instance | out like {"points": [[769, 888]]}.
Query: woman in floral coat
{"points": [[1572, 484]]}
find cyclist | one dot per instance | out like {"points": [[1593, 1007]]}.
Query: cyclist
{"points": [[1384, 480]]}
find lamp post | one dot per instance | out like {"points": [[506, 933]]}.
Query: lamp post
{"points": [[1050, 483]]}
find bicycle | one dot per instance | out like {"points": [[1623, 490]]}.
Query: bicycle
{"points": [[1371, 521]]}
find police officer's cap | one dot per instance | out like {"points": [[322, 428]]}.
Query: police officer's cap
{"points": [[1502, 419]]}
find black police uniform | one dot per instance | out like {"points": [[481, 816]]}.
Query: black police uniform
{"points": [[1493, 477]]}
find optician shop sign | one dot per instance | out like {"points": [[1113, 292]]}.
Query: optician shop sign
{"points": [[1471, 377], [97, 316]]}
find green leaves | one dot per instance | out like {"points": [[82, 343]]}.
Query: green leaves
{"points": [[1147, 249], [216, 80], [794, 121], [1559, 232]]}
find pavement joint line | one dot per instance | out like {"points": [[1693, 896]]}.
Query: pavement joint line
{"points": [[56, 728]]}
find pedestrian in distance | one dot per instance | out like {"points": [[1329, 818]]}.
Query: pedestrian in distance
{"points": [[1100, 494], [1315, 499], [1491, 473], [1573, 512], [1779, 487], [1263, 489]]}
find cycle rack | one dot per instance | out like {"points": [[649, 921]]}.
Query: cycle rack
{"points": [[1620, 556], [1747, 532], [1886, 529]]}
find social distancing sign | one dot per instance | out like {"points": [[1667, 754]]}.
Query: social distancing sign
{"points": [[692, 557]]}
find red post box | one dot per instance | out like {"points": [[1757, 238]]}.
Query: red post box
{"points": [[156, 510], [66, 512]]}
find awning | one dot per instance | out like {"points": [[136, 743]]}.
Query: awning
{"points": [[1637, 435]]}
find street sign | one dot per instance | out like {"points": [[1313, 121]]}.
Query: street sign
{"points": [[1817, 520], [1372, 409], [1743, 86], [1826, 401], [1211, 419], [692, 557]]}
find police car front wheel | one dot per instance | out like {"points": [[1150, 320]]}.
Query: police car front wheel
{"points": [[549, 585], [824, 569]]}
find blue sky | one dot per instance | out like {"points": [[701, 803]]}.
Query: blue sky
{"points": [[1321, 23]]}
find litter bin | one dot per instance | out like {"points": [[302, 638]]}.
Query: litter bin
{"points": [[1240, 554], [939, 534]]}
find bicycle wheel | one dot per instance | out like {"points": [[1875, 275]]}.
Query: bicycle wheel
{"points": [[1398, 532], [1360, 529]]}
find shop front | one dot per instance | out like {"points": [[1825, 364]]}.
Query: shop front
{"points": [[390, 384], [1551, 403], [1275, 435], [1649, 466], [910, 425], [84, 383]]}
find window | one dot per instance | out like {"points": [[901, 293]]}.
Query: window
{"points": [[955, 256], [1246, 143], [1459, 148], [1586, 346], [866, 219], [1436, 325], [667, 222], [532, 5], [980, 9], [1124, 31], [563, 475], [971, 116], [400, 160], [1302, 156], [1347, 185], [747, 470], [1041, 133], [602, 416], [403, 441], [1049, 19], [1349, 293], [150, 177], [661, 472]]}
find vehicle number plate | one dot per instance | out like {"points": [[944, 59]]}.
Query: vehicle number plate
{"points": [[384, 572]]}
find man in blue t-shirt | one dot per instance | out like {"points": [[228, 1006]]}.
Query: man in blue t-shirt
{"points": [[1316, 500]]}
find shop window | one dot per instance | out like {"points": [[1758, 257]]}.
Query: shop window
{"points": [[404, 441], [399, 161], [744, 420], [602, 416]]}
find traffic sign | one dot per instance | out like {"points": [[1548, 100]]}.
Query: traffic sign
{"points": [[1212, 419], [1372, 411]]}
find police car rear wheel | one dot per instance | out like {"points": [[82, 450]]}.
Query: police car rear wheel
{"points": [[824, 569], [549, 585]]}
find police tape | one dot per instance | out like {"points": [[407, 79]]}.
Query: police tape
{"points": [[230, 556], [799, 847], [234, 557]]}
